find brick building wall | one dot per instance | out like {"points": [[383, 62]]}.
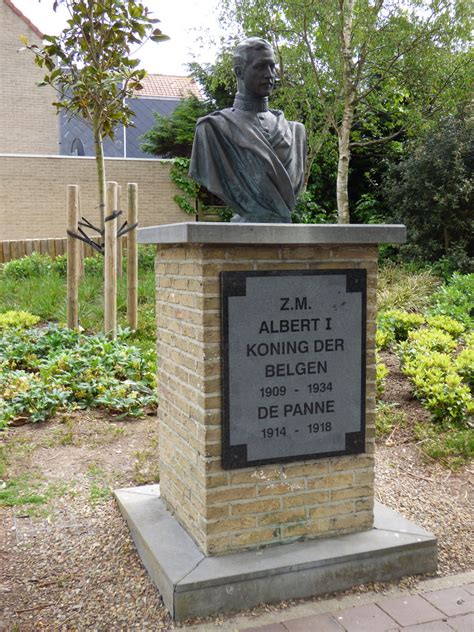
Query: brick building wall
{"points": [[231, 510], [33, 192], [28, 121]]}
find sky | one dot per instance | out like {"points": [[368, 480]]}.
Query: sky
{"points": [[183, 20]]}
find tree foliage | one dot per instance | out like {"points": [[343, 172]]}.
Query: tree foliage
{"points": [[172, 136], [89, 65], [432, 192], [369, 70]]}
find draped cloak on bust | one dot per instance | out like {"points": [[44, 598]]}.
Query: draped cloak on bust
{"points": [[258, 174]]}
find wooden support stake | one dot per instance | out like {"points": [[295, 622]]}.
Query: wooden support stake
{"points": [[132, 257], [80, 250], [120, 239], [110, 263], [72, 257]]}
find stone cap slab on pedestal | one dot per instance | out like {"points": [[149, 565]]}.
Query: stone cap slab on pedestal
{"points": [[267, 234]]}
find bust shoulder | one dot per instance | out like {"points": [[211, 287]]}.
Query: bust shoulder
{"points": [[213, 116]]}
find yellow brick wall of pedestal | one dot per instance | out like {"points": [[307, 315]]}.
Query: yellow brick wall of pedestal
{"points": [[226, 511]]}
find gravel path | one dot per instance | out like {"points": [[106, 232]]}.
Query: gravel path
{"points": [[79, 570]]}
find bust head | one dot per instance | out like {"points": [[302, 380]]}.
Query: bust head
{"points": [[254, 65]]}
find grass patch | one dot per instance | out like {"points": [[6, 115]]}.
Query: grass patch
{"points": [[99, 493], [21, 491], [64, 435], [25, 490], [145, 467], [37, 283], [452, 446], [387, 418]]}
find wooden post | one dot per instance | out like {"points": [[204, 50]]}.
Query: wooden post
{"points": [[110, 262], [132, 257], [119, 239], [80, 249], [72, 257]]}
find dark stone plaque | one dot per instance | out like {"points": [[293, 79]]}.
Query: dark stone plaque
{"points": [[293, 365]]}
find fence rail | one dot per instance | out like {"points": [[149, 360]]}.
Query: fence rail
{"points": [[10, 250]]}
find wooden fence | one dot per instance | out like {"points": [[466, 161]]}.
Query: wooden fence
{"points": [[53, 247]]}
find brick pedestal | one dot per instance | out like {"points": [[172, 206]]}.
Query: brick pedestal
{"points": [[228, 511]]}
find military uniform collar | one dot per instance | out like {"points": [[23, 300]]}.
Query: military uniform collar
{"points": [[250, 104]]}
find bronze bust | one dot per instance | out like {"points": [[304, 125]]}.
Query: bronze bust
{"points": [[251, 157]]}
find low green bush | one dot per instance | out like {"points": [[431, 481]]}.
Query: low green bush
{"points": [[13, 319], [146, 257], [456, 299], [43, 370], [442, 392], [398, 323], [27, 267], [464, 365], [425, 340], [381, 373], [428, 359], [452, 327], [38, 265], [384, 338]]}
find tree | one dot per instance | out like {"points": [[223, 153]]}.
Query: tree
{"points": [[344, 61], [172, 136], [432, 191], [89, 64]]}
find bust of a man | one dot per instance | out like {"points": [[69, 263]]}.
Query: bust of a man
{"points": [[251, 157]]}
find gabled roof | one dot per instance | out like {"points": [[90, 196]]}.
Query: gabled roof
{"points": [[15, 9], [168, 87]]}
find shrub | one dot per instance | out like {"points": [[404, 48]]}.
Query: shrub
{"points": [[32, 265], [426, 341], [399, 322], [146, 258], [381, 372], [441, 391], [428, 362], [17, 320], [60, 264], [452, 327], [464, 365], [94, 265], [431, 191], [384, 338], [456, 299]]}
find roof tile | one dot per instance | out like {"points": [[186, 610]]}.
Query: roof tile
{"points": [[168, 86]]}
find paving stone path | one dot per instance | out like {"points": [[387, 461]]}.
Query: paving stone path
{"points": [[441, 610]]}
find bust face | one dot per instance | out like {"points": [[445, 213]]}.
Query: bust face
{"points": [[257, 77]]}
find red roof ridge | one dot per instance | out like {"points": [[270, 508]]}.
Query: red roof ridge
{"points": [[164, 74], [168, 86], [27, 21]]}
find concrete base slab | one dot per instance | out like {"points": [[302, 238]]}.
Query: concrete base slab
{"points": [[192, 584]]}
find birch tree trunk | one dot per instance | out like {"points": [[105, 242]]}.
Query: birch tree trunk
{"points": [[348, 95], [342, 183]]}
